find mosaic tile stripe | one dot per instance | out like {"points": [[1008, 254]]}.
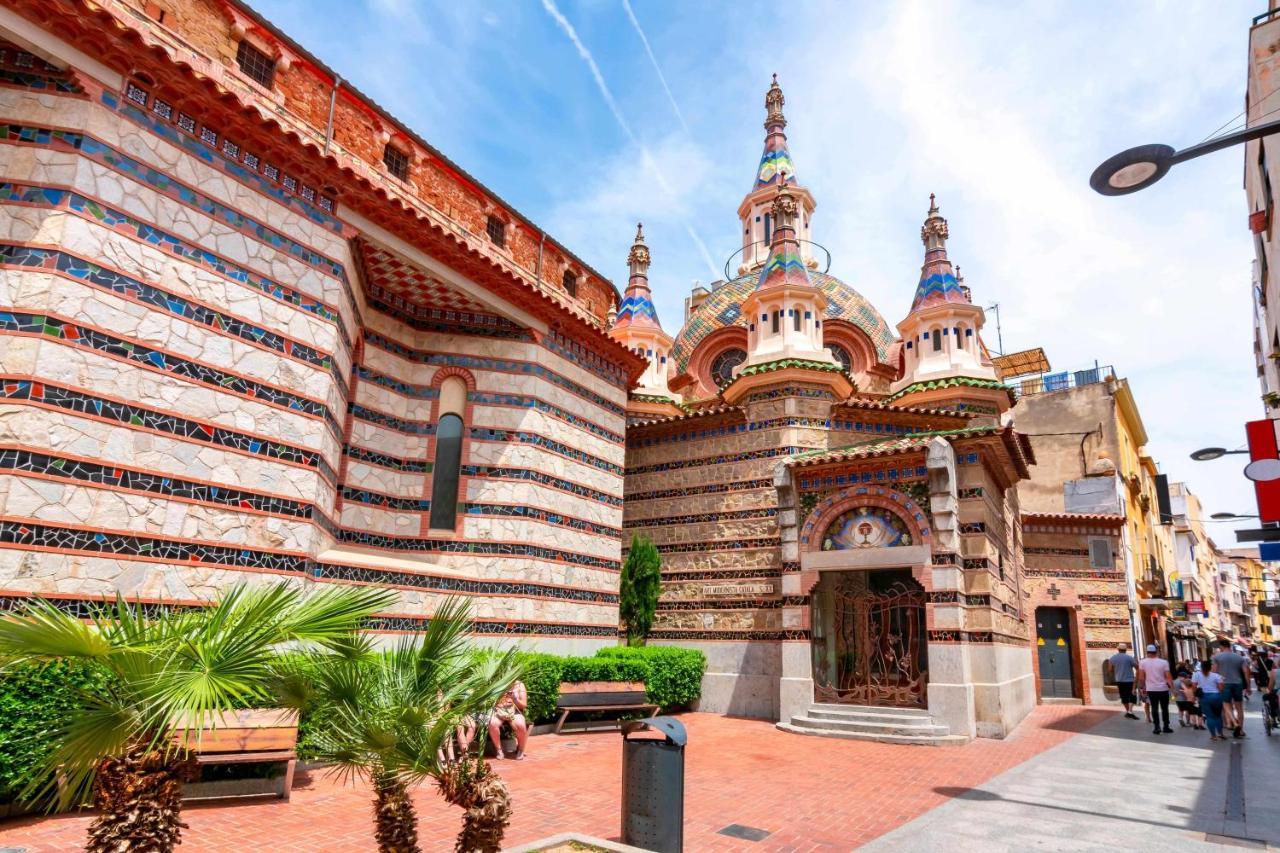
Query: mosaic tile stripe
{"points": [[82, 270], [445, 322], [499, 365], [164, 184], [114, 476], [727, 545], [219, 160], [731, 429], [84, 608], [382, 419], [383, 460], [699, 518], [745, 636], [574, 352], [721, 459], [91, 338], [480, 510], [520, 401], [448, 584], [713, 604], [719, 574], [530, 475], [123, 223], [38, 82], [532, 438], [32, 535], [458, 546], [879, 475], [710, 489], [25, 390]]}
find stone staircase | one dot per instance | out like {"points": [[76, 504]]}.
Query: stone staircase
{"points": [[863, 722]]}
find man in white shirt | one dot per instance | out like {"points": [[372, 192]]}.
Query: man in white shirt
{"points": [[1157, 681]]}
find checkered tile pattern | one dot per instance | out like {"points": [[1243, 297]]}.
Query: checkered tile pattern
{"points": [[386, 272]]}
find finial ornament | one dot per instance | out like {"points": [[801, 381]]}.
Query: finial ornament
{"points": [[785, 207], [773, 102], [639, 254], [934, 231]]}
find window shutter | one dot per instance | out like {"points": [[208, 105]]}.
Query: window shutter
{"points": [[1100, 553]]}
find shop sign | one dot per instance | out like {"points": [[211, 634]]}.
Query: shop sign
{"points": [[737, 590]]}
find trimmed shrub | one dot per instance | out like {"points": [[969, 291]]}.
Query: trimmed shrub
{"points": [[35, 701], [674, 677], [603, 669], [638, 589]]}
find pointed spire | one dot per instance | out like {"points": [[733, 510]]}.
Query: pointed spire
{"points": [[785, 265], [937, 279], [637, 308], [776, 159]]}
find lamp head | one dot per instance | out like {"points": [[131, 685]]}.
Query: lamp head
{"points": [[1132, 170], [1205, 454]]}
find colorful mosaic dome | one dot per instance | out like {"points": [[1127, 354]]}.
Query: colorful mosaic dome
{"points": [[724, 308]]}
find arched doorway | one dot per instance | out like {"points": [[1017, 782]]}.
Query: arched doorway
{"points": [[870, 639]]}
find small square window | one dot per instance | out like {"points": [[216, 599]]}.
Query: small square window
{"points": [[208, 137], [230, 148], [271, 171], [186, 122], [291, 184], [251, 160], [309, 193], [135, 94], [23, 59], [161, 109], [497, 230], [396, 161], [326, 203], [255, 64], [570, 283]]}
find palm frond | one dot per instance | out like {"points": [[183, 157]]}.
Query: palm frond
{"points": [[40, 631]]}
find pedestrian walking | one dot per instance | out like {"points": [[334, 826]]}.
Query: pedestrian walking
{"points": [[1157, 682], [1184, 693], [1124, 671], [1209, 690], [1234, 670]]}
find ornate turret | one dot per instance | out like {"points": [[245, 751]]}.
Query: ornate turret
{"points": [[784, 314], [636, 326], [945, 362], [776, 168]]}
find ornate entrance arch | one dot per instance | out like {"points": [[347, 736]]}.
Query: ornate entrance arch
{"points": [[870, 639]]}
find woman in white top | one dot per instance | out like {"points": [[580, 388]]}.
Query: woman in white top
{"points": [[1209, 688]]}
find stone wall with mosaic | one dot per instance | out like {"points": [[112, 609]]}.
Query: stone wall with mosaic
{"points": [[215, 371]]}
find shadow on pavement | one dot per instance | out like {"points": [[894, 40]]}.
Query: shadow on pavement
{"points": [[980, 795]]}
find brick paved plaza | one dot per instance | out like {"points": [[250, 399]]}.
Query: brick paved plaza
{"points": [[809, 793]]}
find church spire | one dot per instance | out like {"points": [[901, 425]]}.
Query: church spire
{"points": [[776, 160], [937, 279], [637, 302], [784, 267]]}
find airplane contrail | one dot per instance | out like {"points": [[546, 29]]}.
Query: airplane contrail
{"points": [[607, 94], [653, 60]]}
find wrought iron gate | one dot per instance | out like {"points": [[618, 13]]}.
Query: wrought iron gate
{"points": [[869, 644]]}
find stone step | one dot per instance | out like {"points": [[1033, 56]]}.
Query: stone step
{"points": [[925, 726], [916, 740], [868, 709], [871, 715]]}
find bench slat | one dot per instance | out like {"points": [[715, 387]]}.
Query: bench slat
{"points": [[246, 757], [608, 699], [601, 687]]}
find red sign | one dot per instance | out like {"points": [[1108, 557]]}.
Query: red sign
{"points": [[1263, 444], [1195, 608]]}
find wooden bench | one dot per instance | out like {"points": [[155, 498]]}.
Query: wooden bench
{"points": [[602, 696], [250, 736]]}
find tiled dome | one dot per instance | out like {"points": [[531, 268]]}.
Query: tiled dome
{"points": [[724, 308]]}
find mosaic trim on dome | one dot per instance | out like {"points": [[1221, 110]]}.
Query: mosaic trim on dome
{"points": [[952, 382], [636, 308], [723, 307], [776, 159], [936, 288]]}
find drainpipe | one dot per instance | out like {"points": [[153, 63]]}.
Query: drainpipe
{"points": [[333, 99], [542, 239]]}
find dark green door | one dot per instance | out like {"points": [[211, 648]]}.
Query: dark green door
{"points": [[1053, 649]]}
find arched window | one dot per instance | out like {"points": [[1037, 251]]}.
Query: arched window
{"points": [[841, 355], [570, 283], [448, 461], [768, 227], [795, 315], [937, 340], [723, 365]]}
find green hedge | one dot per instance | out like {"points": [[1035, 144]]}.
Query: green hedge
{"points": [[672, 676], [35, 701]]}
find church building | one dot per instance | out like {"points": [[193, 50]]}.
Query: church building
{"points": [[834, 503]]}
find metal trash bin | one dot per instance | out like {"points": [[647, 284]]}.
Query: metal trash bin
{"points": [[653, 785]]}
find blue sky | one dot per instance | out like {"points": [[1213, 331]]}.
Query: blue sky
{"points": [[1001, 111]]}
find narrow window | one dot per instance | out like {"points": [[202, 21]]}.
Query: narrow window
{"points": [[255, 64], [396, 161], [497, 230], [570, 282], [768, 227], [937, 342], [444, 475], [796, 323], [777, 320], [1100, 553]]}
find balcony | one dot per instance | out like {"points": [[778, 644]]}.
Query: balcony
{"points": [[1064, 380]]}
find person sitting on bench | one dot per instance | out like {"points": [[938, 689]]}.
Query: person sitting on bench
{"points": [[510, 710]]}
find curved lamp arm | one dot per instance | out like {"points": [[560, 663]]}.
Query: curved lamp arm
{"points": [[1140, 167]]}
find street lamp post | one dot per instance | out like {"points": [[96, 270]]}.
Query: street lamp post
{"points": [[1140, 167]]}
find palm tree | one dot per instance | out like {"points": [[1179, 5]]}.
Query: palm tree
{"points": [[167, 673], [389, 717]]}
